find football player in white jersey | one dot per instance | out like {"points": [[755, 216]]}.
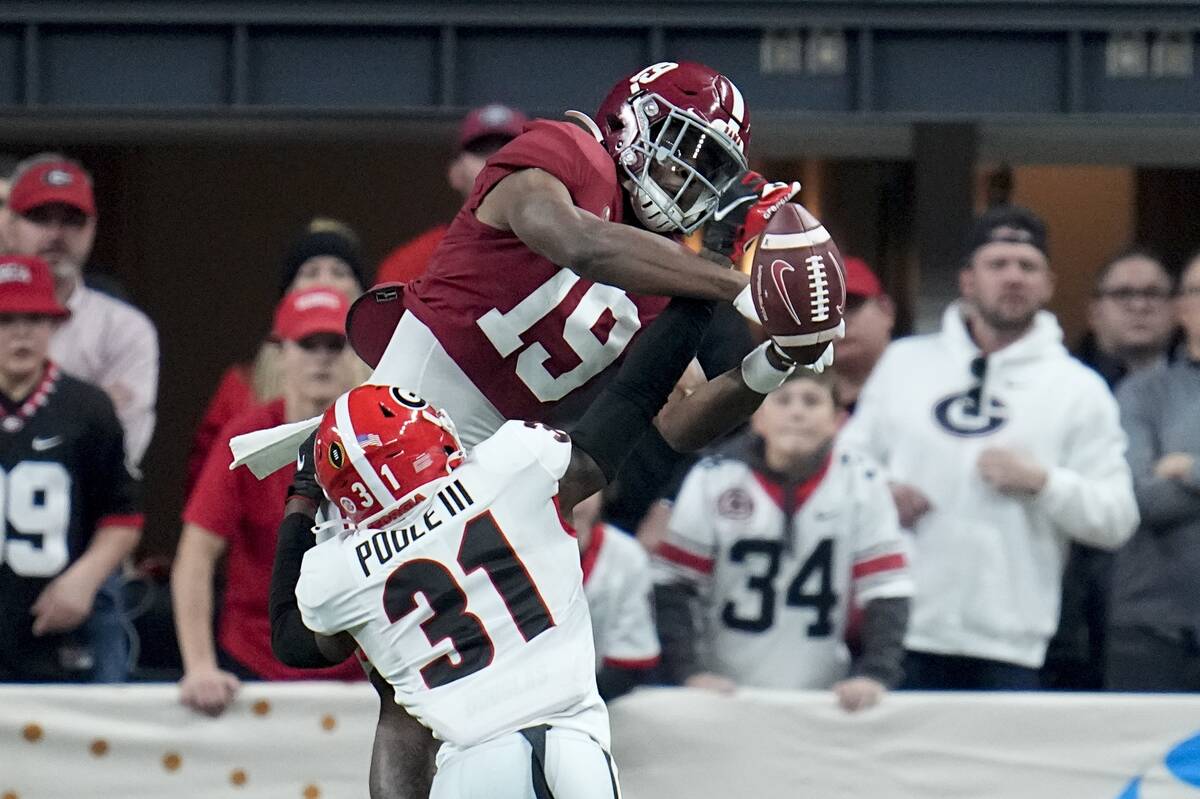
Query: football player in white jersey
{"points": [[617, 581], [776, 540], [458, 580]]}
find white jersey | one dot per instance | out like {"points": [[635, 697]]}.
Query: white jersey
{"points": [[473, 606], [775, 597], [617, 581]]}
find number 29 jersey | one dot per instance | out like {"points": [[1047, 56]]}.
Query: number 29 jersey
{"points": [[472, 607]]}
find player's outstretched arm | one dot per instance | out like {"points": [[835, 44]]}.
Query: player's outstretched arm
{"points": [[700, 413], [623, 412], [537, 207]]}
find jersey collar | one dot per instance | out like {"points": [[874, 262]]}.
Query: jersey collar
{"points": [[13, 420]]}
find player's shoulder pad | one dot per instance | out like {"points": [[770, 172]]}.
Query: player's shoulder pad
{"points": [[627, 547], [518, 445], [563, 149], [323, 579]]}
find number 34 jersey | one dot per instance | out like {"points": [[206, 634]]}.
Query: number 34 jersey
{"points": [[776, 569], [473, 606]]}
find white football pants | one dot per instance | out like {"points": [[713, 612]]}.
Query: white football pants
{"points": [[572, 766], [415, 360]]}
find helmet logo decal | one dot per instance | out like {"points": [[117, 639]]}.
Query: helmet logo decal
{"points": [[337, 455], [422, 462], [650, 74], [408, 399]]}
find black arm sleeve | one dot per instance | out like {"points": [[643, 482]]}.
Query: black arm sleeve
{"points": [[676, 631], [618, 417], [884, 623], [614, 681], [292, 643]]}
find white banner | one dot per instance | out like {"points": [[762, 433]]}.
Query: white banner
{"points": [[313, 741]]}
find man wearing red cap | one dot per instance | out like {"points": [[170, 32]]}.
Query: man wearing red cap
{"points": [[52, 215], [71, 511], [231, 513], [484, 131], [870, 317]]}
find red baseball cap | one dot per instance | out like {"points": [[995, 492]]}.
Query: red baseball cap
{"points": [[861, 281], [301, 314], [57, 181], [490, 120], [26, 287]]}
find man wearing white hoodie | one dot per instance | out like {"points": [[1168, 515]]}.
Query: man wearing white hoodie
{"points": [[1000, 449]]}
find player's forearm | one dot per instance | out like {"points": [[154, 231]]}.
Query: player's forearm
{"points": [[714, 408], [291, 642], [108, 549], [646, 263]]}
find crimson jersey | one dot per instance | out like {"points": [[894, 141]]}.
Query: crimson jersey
{"points": [[527, 332]]}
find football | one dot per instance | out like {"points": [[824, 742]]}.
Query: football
{"points": [[797, 283]]}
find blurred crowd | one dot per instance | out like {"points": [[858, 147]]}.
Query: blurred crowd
{"points": [[977, 508]]}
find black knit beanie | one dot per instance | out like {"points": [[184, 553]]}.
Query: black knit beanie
{"points": [[323, 237]]}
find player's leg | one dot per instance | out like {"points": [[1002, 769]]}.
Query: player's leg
{"points": [[415, 360], [497, 769], [403, 756], [577, 767]]}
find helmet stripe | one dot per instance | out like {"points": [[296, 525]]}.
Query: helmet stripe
{"points": [[358, 458], [739, 105]]}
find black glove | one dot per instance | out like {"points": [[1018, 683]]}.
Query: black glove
{"points": [[722, 229], [304, 483]]}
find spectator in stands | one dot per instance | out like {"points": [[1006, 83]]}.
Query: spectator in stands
{"points": [[106, 342], [617, 583], [1130, 328], [1154, 634], [52, 215], [233, 514], [1000, 448], [773, 541], [71, 512], [484, 131], [870, 317], [327, 254]]}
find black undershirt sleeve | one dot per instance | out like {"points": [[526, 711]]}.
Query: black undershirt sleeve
{"points": [[673, 616], [292, 643], [623, 412], [884, 623]]}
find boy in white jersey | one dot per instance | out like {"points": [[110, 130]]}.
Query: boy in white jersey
{"points": [[618, 583], [458, 580], [776, 539]]}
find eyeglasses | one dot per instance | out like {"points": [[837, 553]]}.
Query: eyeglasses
{"points": [[1127, 295]]}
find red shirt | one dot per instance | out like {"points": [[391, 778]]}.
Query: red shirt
{"points": [[246, 512], [410, 259], [233, 396], [525, 331]]}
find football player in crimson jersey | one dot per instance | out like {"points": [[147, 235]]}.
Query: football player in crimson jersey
{"points": [[497, 657], [566, 248]]}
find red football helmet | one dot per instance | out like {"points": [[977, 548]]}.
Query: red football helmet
{"points": [[377, 447], [679, 131]]}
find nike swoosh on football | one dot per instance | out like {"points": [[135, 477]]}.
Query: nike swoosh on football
{"points": [[721, 213], [42, 444]]}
